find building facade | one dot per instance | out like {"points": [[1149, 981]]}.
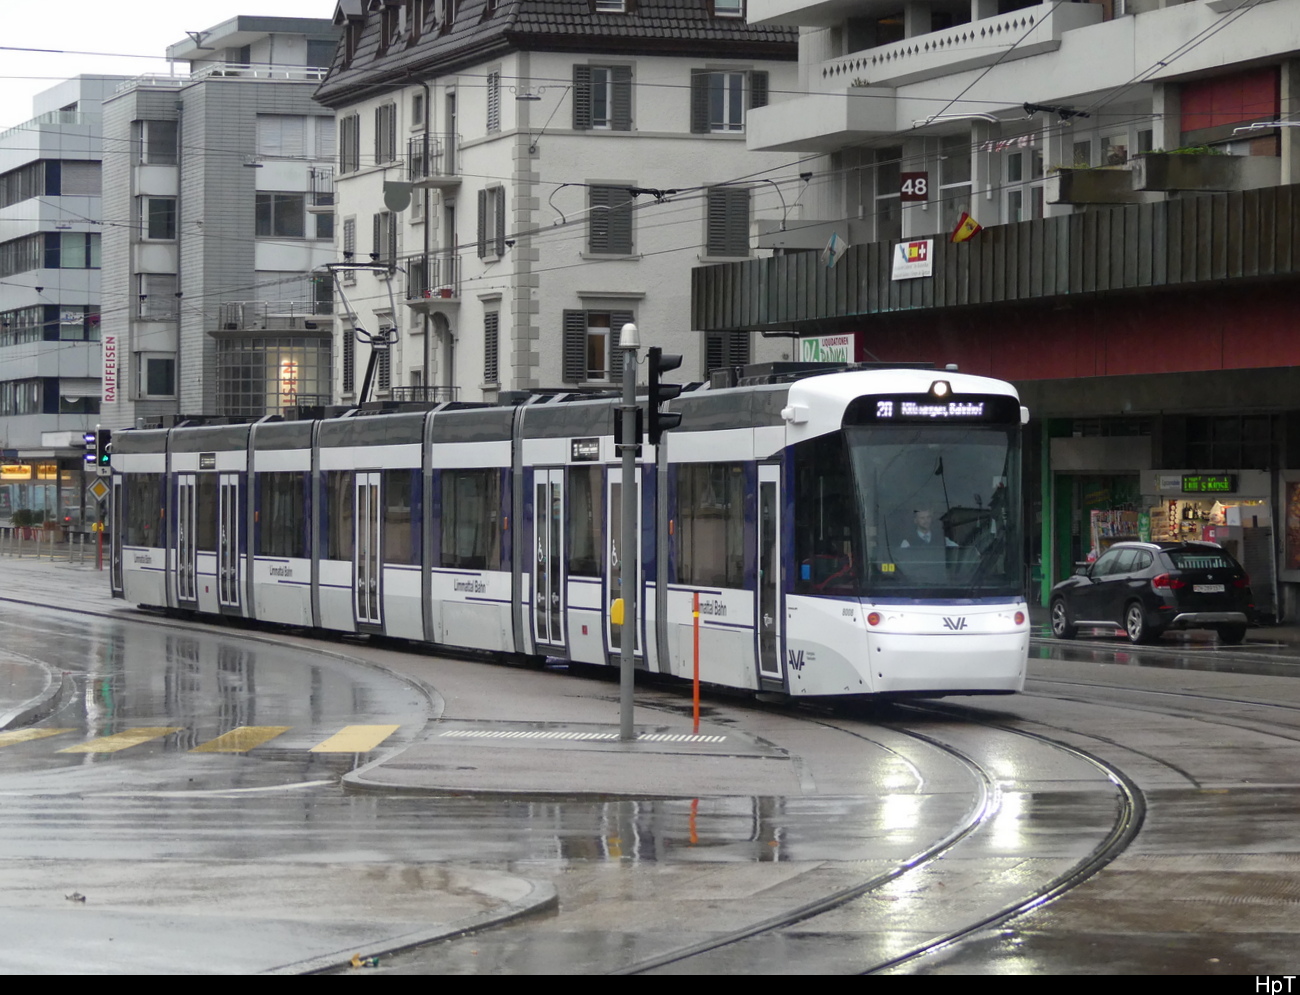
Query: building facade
{"points": [[523, 179], [223, 188], [50, 249], [1134, 168]]}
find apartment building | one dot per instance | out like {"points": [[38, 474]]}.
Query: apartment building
{"points": [[1134, 167], [519, 180], [50, 233], [222, 188]]}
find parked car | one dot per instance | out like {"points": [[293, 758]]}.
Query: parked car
{"points": [[1147, 588]]}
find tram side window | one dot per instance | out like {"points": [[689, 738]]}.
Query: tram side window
{"points": [[144, 517], [338, 514], [282, 517], [401, 525], [711, 524], [205, 513], [471, 527], [825, 518], [585, 515]]}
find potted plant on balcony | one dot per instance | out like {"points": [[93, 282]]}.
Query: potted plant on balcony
{"points": [[1194, 167]]}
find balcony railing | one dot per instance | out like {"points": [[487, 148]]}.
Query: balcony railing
{"points": [[432, 158], [1016, 35], [275, 316], [1226, 237], [432, 276], [423, 395], [322, 189]]}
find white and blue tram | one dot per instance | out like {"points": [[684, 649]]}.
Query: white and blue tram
{"points": [[791, 508]]}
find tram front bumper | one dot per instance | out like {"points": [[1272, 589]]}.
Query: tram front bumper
{"points": [[968, 663]]}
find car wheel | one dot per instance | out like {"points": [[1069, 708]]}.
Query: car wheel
{"points": [[1135, 624], [1061, 627], [1232, 635]]}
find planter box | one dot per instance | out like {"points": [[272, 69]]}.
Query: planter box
{"points": [[1179, 171], [1091, 186]]}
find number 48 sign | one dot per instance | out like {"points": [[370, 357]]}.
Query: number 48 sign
{"points": [[914, 186]]}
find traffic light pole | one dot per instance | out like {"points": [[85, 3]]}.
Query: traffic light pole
{"points": [[629, 342]]}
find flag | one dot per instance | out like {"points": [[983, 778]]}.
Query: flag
{"points": [[966, 228], [835, 248]]}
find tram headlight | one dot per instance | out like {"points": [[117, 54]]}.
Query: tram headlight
{"points": [[941, 388], [1020, 618], [873, 618]]}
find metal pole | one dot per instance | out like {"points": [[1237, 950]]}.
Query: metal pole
{"points": [[629, 342]]}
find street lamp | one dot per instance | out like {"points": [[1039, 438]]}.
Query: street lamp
{"points": [[629, 342]]}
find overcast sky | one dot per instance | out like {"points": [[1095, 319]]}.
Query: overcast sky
{"points": [[139, 28]]}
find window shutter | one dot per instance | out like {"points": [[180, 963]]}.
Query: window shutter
{"points": [[482, 224], [728, 222], [575, 346], [378, 241], [500, 234], [491, 333], [598, 220], [348, 375], [758, 88], [617, 319], [622, 98], [581, 98], [391, 258], [494, 101], [715, 352], [700, 101]]}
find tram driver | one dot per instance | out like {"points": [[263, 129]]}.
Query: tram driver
{"points": [[924, 534]]}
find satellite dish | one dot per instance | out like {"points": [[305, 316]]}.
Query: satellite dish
{"points": [[397, 196]]}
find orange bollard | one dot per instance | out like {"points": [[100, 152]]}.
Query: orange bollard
{"points": [[695, 695]]}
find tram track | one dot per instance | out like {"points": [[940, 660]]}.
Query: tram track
{"points": [[1130, 811]]}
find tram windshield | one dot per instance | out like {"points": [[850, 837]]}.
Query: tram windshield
{"points": [[911, 511]]}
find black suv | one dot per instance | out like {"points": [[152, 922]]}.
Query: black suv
{"points": [[1146, 588]]}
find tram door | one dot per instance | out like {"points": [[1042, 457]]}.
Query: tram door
{"points": [[548, 568], [228, 540], [769, 572], [613, 555], [117, 535], [366, 562], [185, 539]]}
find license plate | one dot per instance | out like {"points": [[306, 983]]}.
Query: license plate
{"points": [[1208, 588]]}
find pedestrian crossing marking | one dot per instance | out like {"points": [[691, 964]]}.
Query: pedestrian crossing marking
{"points": [[241, 739], [355, 739], [122, 740], [26, 735]]}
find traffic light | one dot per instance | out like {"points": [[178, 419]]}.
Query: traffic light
{"points": [[662, 421], [103, 454], [91, 442]]}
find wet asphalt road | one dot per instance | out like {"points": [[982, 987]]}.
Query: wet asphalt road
{"points": [[252, 860]]}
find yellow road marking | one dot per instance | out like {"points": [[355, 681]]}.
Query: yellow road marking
{"points": [[241, 740], [25, 735], [355, 739], [122, 740]]}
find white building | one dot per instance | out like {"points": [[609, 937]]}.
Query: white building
{"points": [[998, 106], [224, 189], [50, 230], [567, 163]]}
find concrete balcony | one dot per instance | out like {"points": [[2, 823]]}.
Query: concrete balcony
{"points": [[1031, 30], [821, 122]]}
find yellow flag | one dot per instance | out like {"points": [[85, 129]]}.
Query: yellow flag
{"points": [[966, 228]]}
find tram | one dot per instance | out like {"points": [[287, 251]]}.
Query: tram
{"points": [[790, 503]]}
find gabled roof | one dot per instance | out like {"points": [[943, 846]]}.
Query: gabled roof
{"points": [[483, 30]]}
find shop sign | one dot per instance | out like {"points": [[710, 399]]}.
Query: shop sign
{"points": [[913, 259], [827, 349], [109, 377], [47, 471], [1169, 482], [15, 471], [1209, 483]]}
